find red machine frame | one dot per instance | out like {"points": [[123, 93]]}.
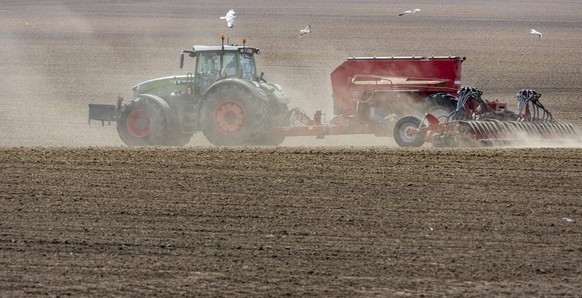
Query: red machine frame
{"points": [[360, 83]]}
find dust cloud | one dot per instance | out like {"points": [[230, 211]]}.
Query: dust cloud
{"points": [[41, 54], [57, 57]]}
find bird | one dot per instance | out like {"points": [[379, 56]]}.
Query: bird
{"points": [[229, 17], [409, 12], [305, 31], [536, 32]]}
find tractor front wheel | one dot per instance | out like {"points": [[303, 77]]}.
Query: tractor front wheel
{"points": [[233, 117], [406, 132]]}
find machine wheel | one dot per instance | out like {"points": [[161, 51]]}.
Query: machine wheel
{"points": [[142, 123], [439, 105], [232, 117], [272, 140], [279, 117], [179, 139], [405, 133]]}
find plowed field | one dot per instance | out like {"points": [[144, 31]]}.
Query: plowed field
{"points": [[274, 222], [82, 215]]}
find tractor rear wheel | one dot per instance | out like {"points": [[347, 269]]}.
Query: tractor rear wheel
{"points": [[440, 105], [271, 140], [179, 139], [233, 117], [278, 117], [406, 134], [142, 123]]}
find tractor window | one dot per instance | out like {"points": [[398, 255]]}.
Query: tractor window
{"points": [[209, 68], [247, 62], [208, 63], [229, 68]]}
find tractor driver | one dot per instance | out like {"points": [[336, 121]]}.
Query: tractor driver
{"points": [[229, 70]]}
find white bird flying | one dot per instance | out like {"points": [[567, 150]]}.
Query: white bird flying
{"points": [[409, 12], [305, 31], [229, 17], [536, 32]]}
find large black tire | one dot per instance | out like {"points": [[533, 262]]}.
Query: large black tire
{"points": [[179, 139], [439, 105], [231, 116], [271, 140], [402, 134], [142, 123], [278, 117]]}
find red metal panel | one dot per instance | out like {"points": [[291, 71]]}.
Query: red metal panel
{"points": [[399, 74]]}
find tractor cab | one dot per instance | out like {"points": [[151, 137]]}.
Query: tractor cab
{"points": [[214, 63]]}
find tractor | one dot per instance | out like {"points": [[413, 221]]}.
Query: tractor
{"points": [[223, 97], [232, 105]]}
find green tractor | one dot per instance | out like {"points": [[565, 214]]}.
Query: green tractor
{"points": [[224, 98]]}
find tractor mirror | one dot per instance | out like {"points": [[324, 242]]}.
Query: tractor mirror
{"points": [[182, 60]]}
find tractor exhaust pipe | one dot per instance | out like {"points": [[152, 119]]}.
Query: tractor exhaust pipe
{"points": [[222, 38]]}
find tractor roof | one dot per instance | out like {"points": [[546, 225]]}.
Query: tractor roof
{"points": [[201, 48]]}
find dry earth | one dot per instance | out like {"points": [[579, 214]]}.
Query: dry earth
{"points": [[82, 215], [291, 221]]}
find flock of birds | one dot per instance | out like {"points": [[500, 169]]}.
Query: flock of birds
{"points": [[231, 16]]}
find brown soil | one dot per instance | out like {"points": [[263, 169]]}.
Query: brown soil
{"points": [[85, 216], [346, 222]]}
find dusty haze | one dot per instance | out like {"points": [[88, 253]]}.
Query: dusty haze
{"points": [[58, 56], [83, 215]]}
